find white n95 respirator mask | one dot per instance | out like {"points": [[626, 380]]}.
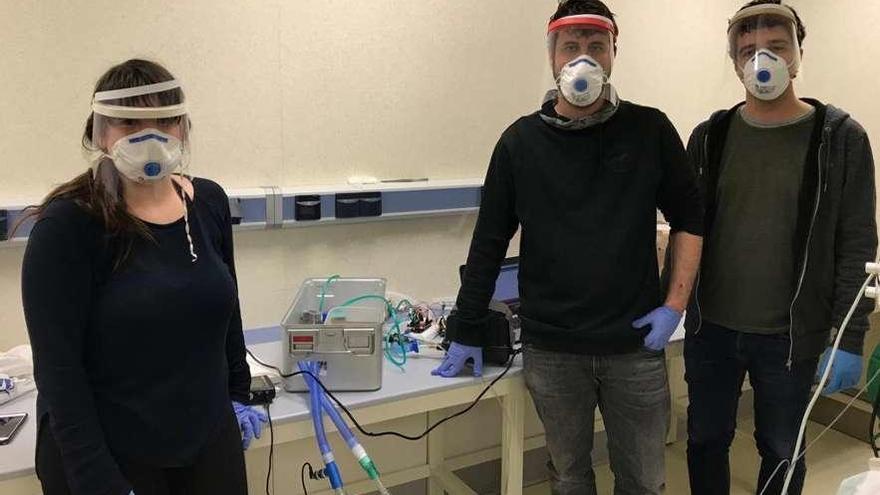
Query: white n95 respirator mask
{"points": [[148, 155], [766, 76], [581, 81]]}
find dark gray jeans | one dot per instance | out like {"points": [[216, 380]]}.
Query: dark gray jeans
{"points": [[632, 393]]}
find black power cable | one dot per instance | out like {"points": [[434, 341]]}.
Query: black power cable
{"points": [[271, 448], [313, 475], [302, 477], [392, 433]]}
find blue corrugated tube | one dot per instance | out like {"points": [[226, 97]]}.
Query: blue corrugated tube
{"points": [[330, 466]]}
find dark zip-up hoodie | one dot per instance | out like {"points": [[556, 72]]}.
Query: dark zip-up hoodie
{"points": [[836, 231]]}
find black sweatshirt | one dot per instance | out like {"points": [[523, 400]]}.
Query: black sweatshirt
{"points": [[586, 201], [139, 363]]}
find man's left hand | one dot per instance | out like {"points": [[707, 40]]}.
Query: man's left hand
{"points": [[846, 370], [663, 322]]}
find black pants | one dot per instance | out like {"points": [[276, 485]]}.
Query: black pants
{"points": [[716, 361], [219, 468]]}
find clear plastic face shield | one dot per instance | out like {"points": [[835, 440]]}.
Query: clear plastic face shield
{"points": [[764, 48], [581, 49], [141, 133]]}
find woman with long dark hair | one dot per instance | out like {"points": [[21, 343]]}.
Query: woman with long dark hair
{"points": [[131, 304]]}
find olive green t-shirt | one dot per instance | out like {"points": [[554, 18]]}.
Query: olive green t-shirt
{"points": [[747, 282]]}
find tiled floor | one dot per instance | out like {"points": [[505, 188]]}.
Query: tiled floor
{"points": [[834, 458]]}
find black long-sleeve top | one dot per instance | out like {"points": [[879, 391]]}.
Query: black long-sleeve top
{"points": [[138, 363], [586, 201]]}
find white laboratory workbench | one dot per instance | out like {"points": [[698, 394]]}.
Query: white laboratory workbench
{"points": [[412, 392], [402, 394]]}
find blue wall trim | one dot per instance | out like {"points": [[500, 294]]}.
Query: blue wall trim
{"points": [[253, 210]]}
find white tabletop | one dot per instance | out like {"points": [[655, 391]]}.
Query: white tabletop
{"points": [[17, 458], [415, 380]]}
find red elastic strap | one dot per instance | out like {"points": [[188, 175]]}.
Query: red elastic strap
{"points": [[583, 20]]}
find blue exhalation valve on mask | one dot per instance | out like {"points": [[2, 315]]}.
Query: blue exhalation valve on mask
{"points": [[152, 169], [764, 76], [581, 85]]}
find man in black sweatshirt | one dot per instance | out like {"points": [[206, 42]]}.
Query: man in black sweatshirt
{"points": [[583, 177], [790, 223]]}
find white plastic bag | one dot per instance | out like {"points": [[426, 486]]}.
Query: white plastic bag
{"points": [[867, 483]]}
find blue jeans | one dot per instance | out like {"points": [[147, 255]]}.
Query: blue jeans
{"points": [[632, 393], [716, 361]]}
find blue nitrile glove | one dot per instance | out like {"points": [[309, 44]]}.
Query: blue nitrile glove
{"points": [[250, 421], [663, 321], [845, 371], [456, 358]]}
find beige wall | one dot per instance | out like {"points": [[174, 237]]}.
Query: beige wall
{"points": [[283, 93], [287, 93], [295, 92]]}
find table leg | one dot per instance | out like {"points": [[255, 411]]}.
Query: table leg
{"points": [[436, 454], [513, 418]]}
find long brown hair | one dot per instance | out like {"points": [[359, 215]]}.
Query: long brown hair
{"points": [[100, 191]]}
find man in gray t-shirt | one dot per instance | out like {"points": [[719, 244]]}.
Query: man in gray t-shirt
{"points": [[748, 268], [790, 223]]}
